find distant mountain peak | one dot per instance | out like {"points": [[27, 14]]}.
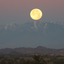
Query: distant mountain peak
{"points": [[41, 47], [44, 33]]}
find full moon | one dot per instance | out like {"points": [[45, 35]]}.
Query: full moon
{"points": [[36, 14]]}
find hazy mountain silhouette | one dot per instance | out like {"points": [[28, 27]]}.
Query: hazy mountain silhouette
{"points": [[37, 50], [32, 34]]}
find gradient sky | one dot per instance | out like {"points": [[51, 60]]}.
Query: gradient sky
{"points": [[19, 10]]}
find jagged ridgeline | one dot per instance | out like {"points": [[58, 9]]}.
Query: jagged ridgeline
{"points": [[32, 34]]}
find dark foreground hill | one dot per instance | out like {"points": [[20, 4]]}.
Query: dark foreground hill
{"points": [[38, 50]]}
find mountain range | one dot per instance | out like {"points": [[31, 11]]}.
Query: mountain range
{"points": [[28, 50], [32, 34]]}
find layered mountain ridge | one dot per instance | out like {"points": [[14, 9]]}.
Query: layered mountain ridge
{"points": [[28, 50], [32, 34]]}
